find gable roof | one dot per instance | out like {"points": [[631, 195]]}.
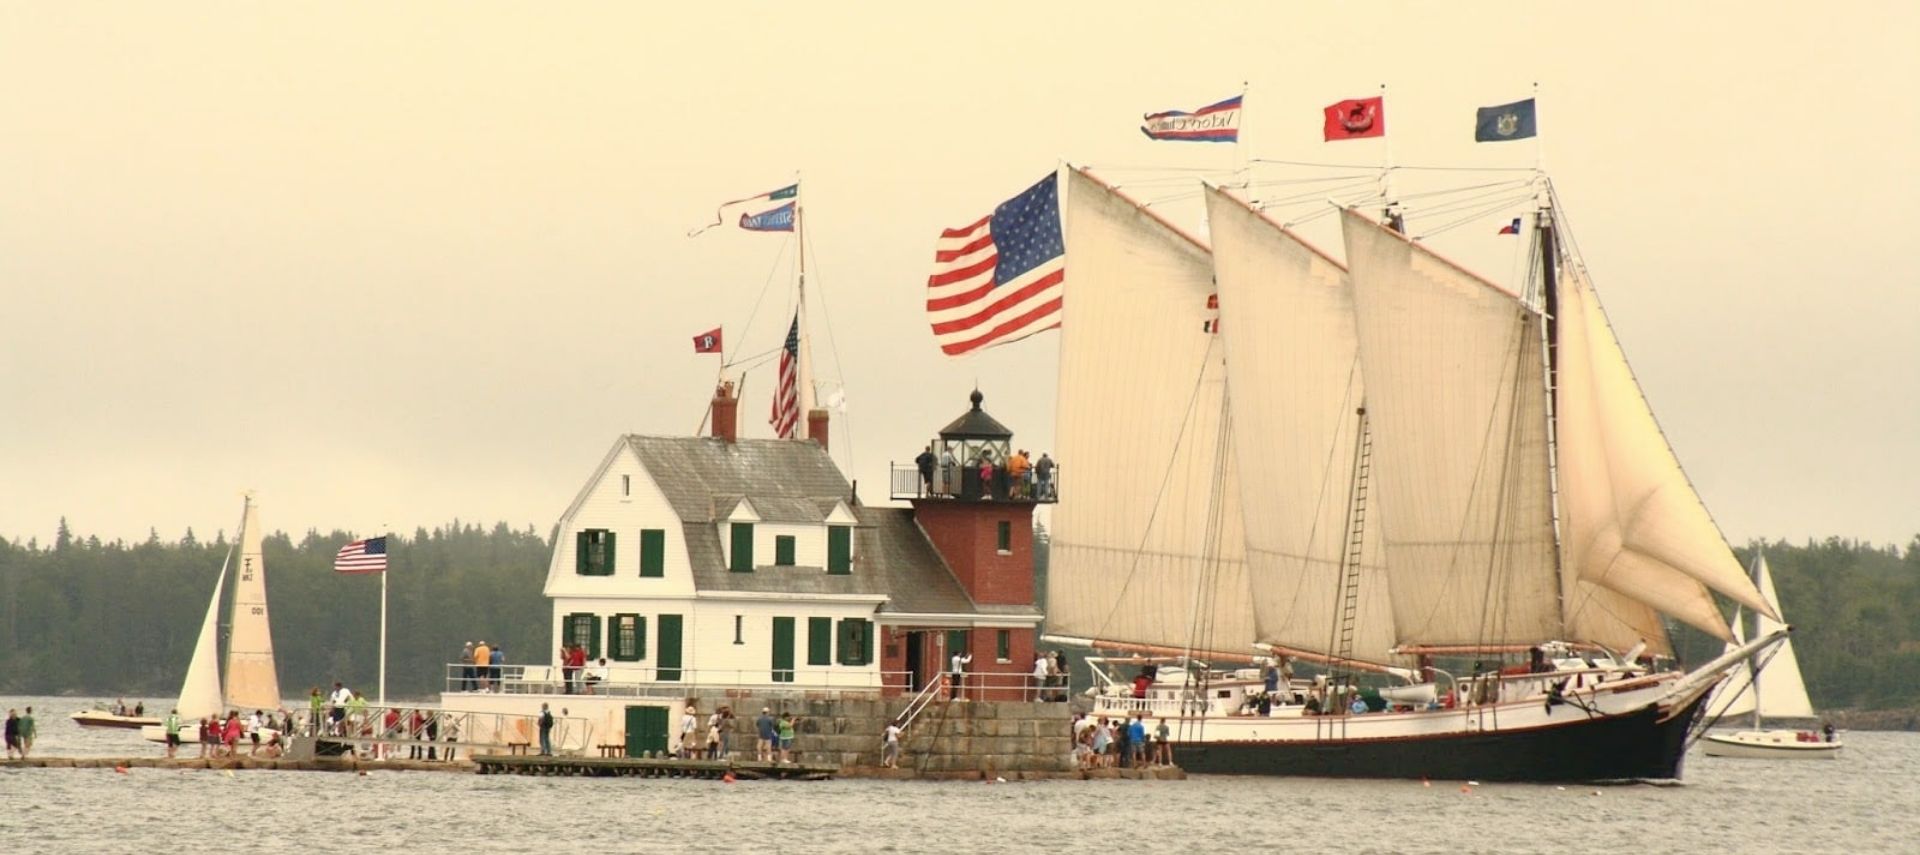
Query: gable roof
{"points": [[705, 478]]}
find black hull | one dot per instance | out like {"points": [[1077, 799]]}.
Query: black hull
{"points": [[1635, 745]]}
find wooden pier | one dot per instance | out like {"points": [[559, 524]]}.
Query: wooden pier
{"points": [[646, 767]]}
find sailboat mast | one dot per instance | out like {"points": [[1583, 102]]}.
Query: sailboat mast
{"points": [[1753, 664], [1550, 319]]}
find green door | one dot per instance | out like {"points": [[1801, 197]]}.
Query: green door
{"points": [[668, 659], [783, 650], [646, 730]]}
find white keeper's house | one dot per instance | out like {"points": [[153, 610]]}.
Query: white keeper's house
{"points": [[717, 562]]}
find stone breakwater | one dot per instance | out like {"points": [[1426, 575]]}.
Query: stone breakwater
{"points": [[317, 764]]}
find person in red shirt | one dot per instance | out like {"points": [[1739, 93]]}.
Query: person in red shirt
{"points": [[576, 664], [232, 736]]}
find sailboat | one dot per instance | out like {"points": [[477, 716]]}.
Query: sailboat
{"points": [[1376, 469], [252, 682], [1785, 695]]}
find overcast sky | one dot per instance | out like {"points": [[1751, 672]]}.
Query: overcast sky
{"points": [[392, 266]]}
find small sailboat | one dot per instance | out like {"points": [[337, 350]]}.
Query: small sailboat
{"points": [[252, 682], [1785, 695], [118, 715]]}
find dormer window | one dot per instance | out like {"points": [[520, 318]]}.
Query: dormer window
{"points": [[741, 557], [593, 552], [839, 550], [783, 550]]}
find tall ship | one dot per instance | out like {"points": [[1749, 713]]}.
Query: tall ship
{"points": [[1448, 498]]}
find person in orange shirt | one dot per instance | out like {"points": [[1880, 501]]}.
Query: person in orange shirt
{"points": [[1017, 467], [482, 654]]}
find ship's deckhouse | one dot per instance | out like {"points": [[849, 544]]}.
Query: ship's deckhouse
{"points": [[714, 560]]}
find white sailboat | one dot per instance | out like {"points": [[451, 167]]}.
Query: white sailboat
{"points": [[1775, 691], [252, 681], [1373, 468]]}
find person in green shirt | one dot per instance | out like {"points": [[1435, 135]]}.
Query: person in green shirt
{"points": [[357, 714], [316, 707], [173, 732], [786, 739], [26, 733]]}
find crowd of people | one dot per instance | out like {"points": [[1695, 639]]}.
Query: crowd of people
{"points": [[1025, 478], [480, 666], [1107, 743], [20, 733]]}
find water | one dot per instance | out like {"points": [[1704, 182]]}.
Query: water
{"points": [[1864, 802]]}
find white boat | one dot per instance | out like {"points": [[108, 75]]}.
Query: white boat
{"points": [[99, 717], [1785, 695], [252, 682], [1401, 465]]}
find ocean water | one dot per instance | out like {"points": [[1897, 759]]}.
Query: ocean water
{"points": [[1867, 801]]}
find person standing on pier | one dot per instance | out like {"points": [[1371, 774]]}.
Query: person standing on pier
{"points": [[466, 669], [173, 732], [890, 749], [765, 729], [496, 658], [26, 733], [13, 733], [786, 738], [925, 464], [957, 674], [316, 704], [481, 656], [546, 731], [689, 728]]}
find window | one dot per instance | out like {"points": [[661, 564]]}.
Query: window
{"points": [[627, 638], [593, 552], [582, 628], [783, 550], [739, 626], [819, 641], [626, 486], [653, 552], [856, 641], [1003, 539], [839, 550], [783, 650], [1003, 645], [742, 548]]}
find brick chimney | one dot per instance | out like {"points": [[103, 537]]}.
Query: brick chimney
{"points": [[817, 426], [726, 413]]}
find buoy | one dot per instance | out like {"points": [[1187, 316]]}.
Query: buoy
{"points": [[1465, 789], [1425, 783], [121, 769], [1473, 783], [999, 780], [227, 772], [727, 778]]}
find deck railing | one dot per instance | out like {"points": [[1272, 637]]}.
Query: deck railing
{"points": [[905, 482]]}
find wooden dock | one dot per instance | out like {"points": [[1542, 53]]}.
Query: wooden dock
{"points": [[645, 767]]}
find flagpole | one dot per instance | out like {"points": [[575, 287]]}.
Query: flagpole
{"points": [[804, 370], [1386, 166], [383, 638], [1241, 173]]}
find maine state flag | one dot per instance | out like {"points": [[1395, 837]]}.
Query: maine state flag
{"points": [[1506, 122]]}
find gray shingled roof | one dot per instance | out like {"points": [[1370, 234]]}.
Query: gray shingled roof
{"points": [[705, 479]]}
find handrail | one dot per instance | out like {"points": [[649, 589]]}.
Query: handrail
{"points": [[919, 703], [369, 726]]}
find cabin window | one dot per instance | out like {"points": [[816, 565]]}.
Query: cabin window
{"points": [[1003, 538], [1003, 645], [783, 550], [593, 552], [653, 552], [839, 550], [741, 560], [819, 641], [856, 641], [739, 627], [583, 629], [628, 639]]}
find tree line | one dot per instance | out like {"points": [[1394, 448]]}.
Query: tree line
{"points": [[82, 616], [113, 619]]}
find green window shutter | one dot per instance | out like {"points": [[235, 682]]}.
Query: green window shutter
{"points": [[839, 549], [783, 650], [606, 558], [582, 541], [819, 641], [593, 642], [613, 639], [653, 552], [668, 662], [742, 548], [639, 638], [866, 653]]}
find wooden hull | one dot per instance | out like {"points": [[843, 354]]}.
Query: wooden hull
{"points": [[100, 718], [1647, 743], [1767, 744]]}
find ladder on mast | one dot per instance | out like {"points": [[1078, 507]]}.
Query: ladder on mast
{"points": [[1342, 671]]}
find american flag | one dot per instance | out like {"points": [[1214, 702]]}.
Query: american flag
{"points": [[362, 556], [786, 395], [1001, 278]]}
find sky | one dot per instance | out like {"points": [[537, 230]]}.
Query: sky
{"points": [[389, 265]]}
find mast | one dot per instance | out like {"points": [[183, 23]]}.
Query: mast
{"points": [[1753, 663], [1550, 318]]}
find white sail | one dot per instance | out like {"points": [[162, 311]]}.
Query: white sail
{"points": [[252, 682], [1634, 523], [200, 691], [1147, 544], [1455, 391], [1287, 322], [1783, 692], [1735, 695]]}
